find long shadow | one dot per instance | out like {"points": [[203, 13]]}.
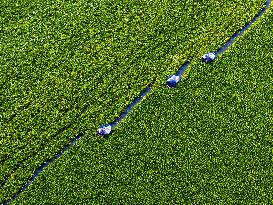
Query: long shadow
{"points": [[211, 56], [243, 30], [124, 113], [45, 165], [133, 104]]}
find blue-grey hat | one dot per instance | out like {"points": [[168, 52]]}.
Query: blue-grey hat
{"points": [[208, 57], [173, 80], [105, 130]]}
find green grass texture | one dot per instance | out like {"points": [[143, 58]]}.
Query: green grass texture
{"points": [[207, 142], [71, 66]]}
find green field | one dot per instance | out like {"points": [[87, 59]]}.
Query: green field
{"points": [[71, 66], [208, 141]]}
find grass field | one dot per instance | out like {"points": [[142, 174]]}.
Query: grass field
{"points": [[71, 66], [208, 141]]}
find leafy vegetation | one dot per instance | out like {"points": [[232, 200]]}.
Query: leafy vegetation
{"points": [[70, 66], [208, 141]]}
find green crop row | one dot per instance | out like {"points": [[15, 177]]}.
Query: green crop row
{"points": [[207, 142], [71, 66]]}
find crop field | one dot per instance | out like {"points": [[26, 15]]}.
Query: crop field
{"points": [[70, 66], [208, 141]]}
